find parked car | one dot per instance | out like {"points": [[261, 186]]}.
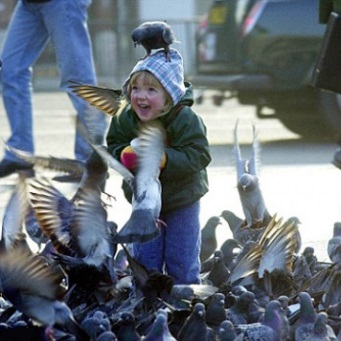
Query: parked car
{"points": [[263, 52]]}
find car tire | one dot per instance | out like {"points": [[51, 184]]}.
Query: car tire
{"points": [[309, 123], [330, 110]]}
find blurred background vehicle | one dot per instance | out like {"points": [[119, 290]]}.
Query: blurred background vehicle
{"points": [[263, 53]]}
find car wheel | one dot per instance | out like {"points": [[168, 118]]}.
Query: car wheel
{"points": [[330, 110], [307, 122]]}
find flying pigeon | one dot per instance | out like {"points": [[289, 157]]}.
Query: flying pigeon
{"points": [[12, 232], [66, 165], [80, 234], [104, 99], [143, 223], [35, 290], [154, 35], [251, 197]]}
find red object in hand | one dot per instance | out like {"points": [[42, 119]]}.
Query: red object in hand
{"points": [[129, 158]]}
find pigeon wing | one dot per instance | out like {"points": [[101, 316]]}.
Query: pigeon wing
{"points": [[104, 99]]}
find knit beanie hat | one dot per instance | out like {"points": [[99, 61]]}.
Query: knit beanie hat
{"points": [[169, 73]]}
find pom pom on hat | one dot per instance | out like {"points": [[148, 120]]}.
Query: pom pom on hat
{"points": [[169, 73]]}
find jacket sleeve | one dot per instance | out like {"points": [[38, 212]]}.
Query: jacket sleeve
{"points": [[121, 131], [187, 145]]}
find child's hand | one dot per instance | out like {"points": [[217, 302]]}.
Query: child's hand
{"points": [[129, 158]]}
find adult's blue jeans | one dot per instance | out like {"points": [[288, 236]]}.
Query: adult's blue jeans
{"points": [[32, 25], [176, 250]]}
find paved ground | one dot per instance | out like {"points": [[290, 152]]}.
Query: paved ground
{"points": [[297, 178]]}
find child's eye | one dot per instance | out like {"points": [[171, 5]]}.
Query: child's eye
{"points": [[151, 89], [134, 87]]}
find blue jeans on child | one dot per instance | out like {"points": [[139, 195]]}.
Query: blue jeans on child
{"points": [[176, 251], [32, 25]]}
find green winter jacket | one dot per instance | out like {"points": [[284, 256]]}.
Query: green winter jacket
{"points": [[184, 179]]}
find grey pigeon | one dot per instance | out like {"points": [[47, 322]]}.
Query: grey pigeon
{"points": [[159, 329], [273, 326], [251, 197], [143, 223], [307, 317], [311, 259], [127, 328], [215, 311], [104, 99], [195, 327], [227, 331], [238, 313], [12, 233], [229, 249], [219, 273], [241, 233], [154, 35], [31, 286], [321, 330], [80, 232], [208, 238], [334, 244], [66, 165]]}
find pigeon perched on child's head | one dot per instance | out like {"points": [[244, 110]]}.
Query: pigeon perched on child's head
{"points": [[154, 35]]}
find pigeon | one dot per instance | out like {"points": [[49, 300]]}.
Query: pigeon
{"points": [[251, 197], [12, 234], [311, 259], [215, 311], [154, 35], [104, 99], [241, 233], [159, 329], [143, 223], [152, 284], [238, 313], [307, 317], [195, 327], [273, 327], [334, 244], [208, 238], [321, 330], [66, 165], [227, 331], [230, 249], [35, 290], [80, 235], [219, 273], [127, 328], [273, 251]]}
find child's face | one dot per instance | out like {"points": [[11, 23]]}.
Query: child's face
{"points": [[147, 100]]}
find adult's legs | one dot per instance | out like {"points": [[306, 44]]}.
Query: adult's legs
{"points": [[66, 22], [26, 38]]}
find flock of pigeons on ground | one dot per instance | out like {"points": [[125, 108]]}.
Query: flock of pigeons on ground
{"points": [[83, 282]]}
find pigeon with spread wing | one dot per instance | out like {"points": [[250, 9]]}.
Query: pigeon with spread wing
{"points": [[248, 186]]}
